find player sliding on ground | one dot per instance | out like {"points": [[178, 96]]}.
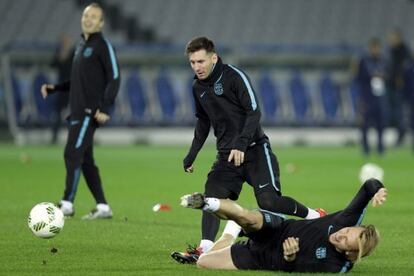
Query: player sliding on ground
{"points": [[333, 243]]}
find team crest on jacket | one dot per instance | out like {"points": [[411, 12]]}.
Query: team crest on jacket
{"points": [[87, 52], [320, 253], [218, 88]]}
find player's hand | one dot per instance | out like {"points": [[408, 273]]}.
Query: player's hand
{"points": [[380, 197], [290, 248], [189, 169], [44, 89], [101, 117], [237, 156]]}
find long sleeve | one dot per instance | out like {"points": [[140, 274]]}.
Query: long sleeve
{"points": [[201, 132], [63, 87], [111, 68], [248, 101], [352, 215]]}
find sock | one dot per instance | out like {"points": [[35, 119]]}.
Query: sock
{"points": [[312, 214], [206, 245], [66, 204], [103, 207], [212, 204], [232, 228]]}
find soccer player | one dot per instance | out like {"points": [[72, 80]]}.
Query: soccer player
{"points": [[400, 59], [333, 243], [92, 90], [224, 99], [370, 76]]}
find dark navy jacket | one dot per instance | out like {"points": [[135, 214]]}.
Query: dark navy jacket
{"points": [[94, 79], [227, 102]]}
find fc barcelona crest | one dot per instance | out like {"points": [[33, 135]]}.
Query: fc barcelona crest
{"points": [[87, 52], [320, 253], [218, 88]]}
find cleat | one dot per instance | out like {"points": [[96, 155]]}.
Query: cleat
{"points": [[67, 212], [321, 212], [98, 214], [189, 257], [195, 201]]}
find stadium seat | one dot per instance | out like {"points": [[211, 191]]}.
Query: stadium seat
{"points": [[330, 98], [300, 97], [354, 94], [44, 108], [17, 97], [166, 97], [269, 93], [137, 99]]}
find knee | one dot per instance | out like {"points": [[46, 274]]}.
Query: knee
{"points": [[268, 201], [268, 205], [72, 157]]}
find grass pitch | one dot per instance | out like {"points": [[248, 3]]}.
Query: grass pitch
{"points": [[138, 241]]}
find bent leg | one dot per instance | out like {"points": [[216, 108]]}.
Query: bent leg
{"points": [[250, 221]]}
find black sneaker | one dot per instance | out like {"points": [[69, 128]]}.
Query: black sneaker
{"points": [[195, 201], [189, 257]]}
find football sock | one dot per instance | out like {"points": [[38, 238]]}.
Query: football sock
{"points": [[312, 214], [231, 228], [211, 204], [206, 245]]}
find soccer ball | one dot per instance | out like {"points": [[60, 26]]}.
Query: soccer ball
{"points": [[46, 220], [370, 170]]}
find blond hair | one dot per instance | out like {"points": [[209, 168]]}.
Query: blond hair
{"points": [[367, 242]]}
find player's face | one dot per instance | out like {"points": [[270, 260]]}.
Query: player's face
{"points": [[346, 239], [202, 63], [91, 21], [375, 50]]}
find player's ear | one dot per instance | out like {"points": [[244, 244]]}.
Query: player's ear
{"points": [[214, 58]]}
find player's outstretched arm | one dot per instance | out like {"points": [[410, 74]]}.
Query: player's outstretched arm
{"points": [[373, 190]]}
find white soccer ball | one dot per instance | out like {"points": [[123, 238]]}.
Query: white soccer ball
{"points": [[46, 220], [371, 170]]}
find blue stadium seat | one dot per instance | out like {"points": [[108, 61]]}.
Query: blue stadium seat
{"points": [[45, 108], [269, 93], [137, 99], [166, 97], [330, 97], [17, 97], [354, 94], [300, 97]]}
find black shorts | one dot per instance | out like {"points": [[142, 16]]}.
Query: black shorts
{"points": [[262, 249], [260, 169]]}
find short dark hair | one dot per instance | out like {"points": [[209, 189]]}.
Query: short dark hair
{"points": [[200, 43], [97, 6]]}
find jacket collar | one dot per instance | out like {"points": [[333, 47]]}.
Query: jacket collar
{"points": [[214, 75], [92, 36]]}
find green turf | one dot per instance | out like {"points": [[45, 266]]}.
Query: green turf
{"points": [[138, 241]]}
